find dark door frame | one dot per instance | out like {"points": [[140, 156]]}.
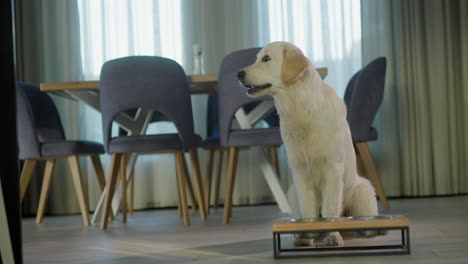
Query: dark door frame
{"points": [[9, 164]]}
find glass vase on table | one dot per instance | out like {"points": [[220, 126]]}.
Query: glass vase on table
{"points": [[197, 60]]}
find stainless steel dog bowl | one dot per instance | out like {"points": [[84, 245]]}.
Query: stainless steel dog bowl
{"points": [[310, 220], [375, 217]]}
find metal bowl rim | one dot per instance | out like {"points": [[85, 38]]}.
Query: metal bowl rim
{"points": [[374, 217], [310, 220]]}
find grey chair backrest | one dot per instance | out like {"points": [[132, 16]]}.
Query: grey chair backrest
{"points": [[37, 120], [150, 82], [349, 89], [231, 94], [363, 97]]}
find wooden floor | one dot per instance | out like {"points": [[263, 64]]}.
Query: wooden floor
{"points": [[439, 234]]}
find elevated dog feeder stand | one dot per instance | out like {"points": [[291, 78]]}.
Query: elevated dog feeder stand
{"points": [[344, 225]]}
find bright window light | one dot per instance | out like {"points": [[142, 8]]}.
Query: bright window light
{"points": [[115, 28]]}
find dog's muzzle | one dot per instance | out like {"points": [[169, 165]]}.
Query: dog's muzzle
{"points": [[251, 89]]}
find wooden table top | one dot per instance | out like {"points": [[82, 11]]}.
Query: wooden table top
{"points": [[342, 223], [201, 84], [201, 79]]}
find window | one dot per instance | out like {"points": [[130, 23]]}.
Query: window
{"points": [[117, 28]]}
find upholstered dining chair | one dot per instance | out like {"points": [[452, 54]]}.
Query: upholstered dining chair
{"points": [[158, 84], [41, 137], [212, 145], [232, 97], [363, 97], [272, 120], [156, 117]]}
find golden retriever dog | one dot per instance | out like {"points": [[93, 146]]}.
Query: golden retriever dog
{"points": [[316, 135]]}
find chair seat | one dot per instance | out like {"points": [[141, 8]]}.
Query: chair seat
{"points": [[53, 148], [255, 137], [370, 136], [211, 143], [148, 143]]}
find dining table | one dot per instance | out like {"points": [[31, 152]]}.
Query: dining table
{"points": [[87, 92]]}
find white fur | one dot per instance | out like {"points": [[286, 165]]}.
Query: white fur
{"points": [[317, 140]]}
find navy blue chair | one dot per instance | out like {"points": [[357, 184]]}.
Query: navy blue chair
{"points": [[232, 97], [363, 97], [158, 84], [156, 117], [41, 137], [272, 120], [212, 145]]}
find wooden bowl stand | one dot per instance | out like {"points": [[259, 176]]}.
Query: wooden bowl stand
{"points": [[344, 225]]}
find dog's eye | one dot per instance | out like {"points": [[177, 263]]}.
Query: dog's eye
{"points": [[266, 58]]}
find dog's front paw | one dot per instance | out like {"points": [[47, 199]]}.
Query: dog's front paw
{"points": [[333, 239]]}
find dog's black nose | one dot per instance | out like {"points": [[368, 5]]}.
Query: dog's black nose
{"points": [[241, 75]]}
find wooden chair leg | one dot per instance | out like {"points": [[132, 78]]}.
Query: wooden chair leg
{"points": [[231, 175], [198, 182], [132, 192], [99, 171], [131, 195], [218, 179], [371, 172], [97, 165], [181, 186], [77, 180], [179, 197], [274, 158], [360, 165], [123, 174], [50, 165], [209, 173], [233, 182], [28, 169], [114, 172], [188, 185]]}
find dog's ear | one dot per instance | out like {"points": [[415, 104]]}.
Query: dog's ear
{"points": [[294, 65]]}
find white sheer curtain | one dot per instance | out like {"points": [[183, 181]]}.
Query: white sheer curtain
{"points": [[328, 31], [112, 29], [420, 151]]}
